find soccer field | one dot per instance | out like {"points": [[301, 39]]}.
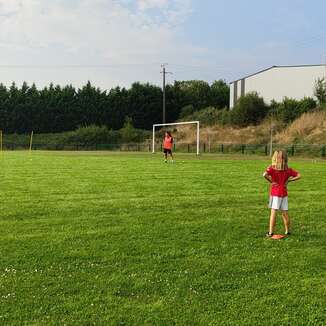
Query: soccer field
{"points": [[124, 239]]}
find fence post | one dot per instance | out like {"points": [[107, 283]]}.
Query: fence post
{"points": [[292, 150], [243, 148], [188, 148], [323, 151], [222, 148], [266, 150], [204, 147]]}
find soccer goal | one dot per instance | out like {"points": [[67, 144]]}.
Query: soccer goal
{"points": [[176, 124]]}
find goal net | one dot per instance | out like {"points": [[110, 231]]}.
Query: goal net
{"points": [[177, 124]]}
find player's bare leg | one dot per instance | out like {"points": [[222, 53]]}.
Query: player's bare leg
{"points": [[286, 221], [272, 221]]}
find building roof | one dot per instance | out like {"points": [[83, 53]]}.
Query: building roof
{"points": [[260, 71]]}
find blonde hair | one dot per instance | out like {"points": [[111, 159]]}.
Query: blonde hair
{"points": [[280, 160]]}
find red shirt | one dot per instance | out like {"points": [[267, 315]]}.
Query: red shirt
{"points": [[279, 179], [168, 141]]}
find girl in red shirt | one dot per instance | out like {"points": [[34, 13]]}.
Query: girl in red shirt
{"points": [[279, 175], [167, 146]]}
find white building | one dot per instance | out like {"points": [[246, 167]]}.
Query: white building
{"points": [[278, 82]]}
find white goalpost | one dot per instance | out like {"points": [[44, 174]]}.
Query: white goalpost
{"points": [[176, 124]]}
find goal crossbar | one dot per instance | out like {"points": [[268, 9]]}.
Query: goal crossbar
{"points": [[176, 124]]}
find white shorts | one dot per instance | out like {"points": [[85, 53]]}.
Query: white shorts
{"points": [[279, 203]]}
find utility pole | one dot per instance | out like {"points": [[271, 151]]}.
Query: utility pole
{"points": [[164, 72]]}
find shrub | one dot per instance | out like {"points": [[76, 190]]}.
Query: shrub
{"points": [[250, 109], [290, 109], [186, 111], [224, 117], [322, 106], [207, 116], [128, 132], [89, 135], [320, 90]]}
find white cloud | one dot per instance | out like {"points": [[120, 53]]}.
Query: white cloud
{"points": [[152, 4], [9, 7], [92, 32]]}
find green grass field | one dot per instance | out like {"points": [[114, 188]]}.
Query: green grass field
{"points": [[124, 239]]}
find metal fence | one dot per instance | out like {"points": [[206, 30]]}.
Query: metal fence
{"points": [[309, 150], [257, 149], [130, 147]]}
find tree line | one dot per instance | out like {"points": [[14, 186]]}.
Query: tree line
{"points": [[56, 109]]}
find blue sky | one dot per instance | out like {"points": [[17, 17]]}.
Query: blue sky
{"points": [[246, 36], [117, 42]]}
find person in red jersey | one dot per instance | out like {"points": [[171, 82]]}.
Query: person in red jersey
{"points": [[167, 146], [279, 175]]}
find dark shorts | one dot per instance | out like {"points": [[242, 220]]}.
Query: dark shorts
{"points": [[167, 151]]}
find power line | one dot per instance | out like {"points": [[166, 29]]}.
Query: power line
{"points": [[50, 66]]}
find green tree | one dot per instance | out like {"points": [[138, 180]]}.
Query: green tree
{"points": [[186, 111], [144, 105], [4, 97], [220, 94], [290, 109], [128, 132], [250, 109], [320, 90], [195, 92], [56, 109]]}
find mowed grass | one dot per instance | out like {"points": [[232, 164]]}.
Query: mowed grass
{"points": [[116, 239]]}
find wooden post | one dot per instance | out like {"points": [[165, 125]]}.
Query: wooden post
{"points": [[1, 141], [31, 142]]}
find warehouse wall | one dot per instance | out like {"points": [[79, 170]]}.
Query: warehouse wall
{"points": [[279, 82], [231, 95]]}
